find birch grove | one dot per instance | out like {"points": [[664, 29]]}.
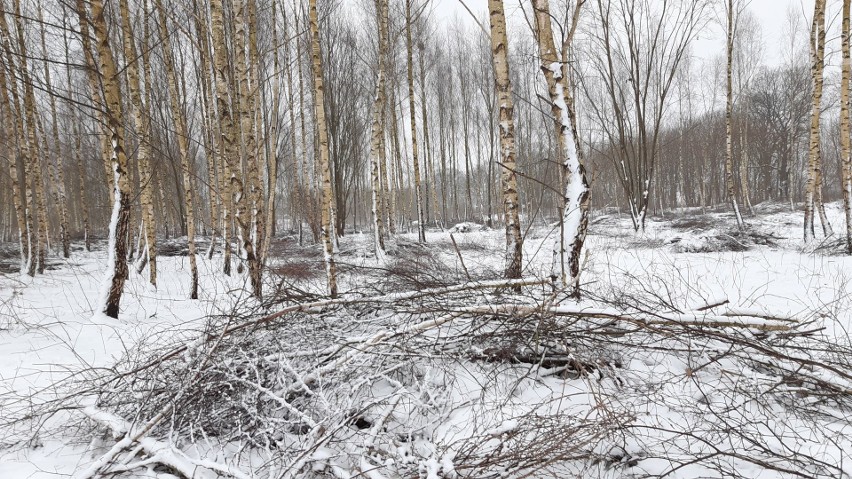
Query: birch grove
{"points": [[287, 239], [237, 125]]}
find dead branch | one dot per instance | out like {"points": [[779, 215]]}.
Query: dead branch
{"points": [[330, 303], [159, 451]]}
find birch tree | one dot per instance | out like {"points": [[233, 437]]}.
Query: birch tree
{"points": [[298, 176], [182, 134], [143, 155], [503, 86], [59, 197], [418, 193], [322, 134], [565, 271], [116, 272], [729, 106], [219, 202], [272, 141], [230, 148], [246, 58], [8, 151], [845, 131], [813, 189], [29, 243], [32, 148], [76, 148], [377, 131]]}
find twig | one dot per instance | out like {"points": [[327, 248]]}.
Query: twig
{"points": [[328, 303], [712, 305], [461, 260]]}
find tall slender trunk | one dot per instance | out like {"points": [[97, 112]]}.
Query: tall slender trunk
{"points": [[297, 175], [245, 50], [377, 132], [442, 130], [144, 152], [575, 211], [78, 156], [396, 177], [490, 172], [211, 150], [465, 119], [845, 129], [427, 146], [272, 139], [116, 266], [744, 167], [59, 186], [418, 193], [182, 134], [322, 132], [813, 191], [224, 201], [31, 116], [729, 105], [95, 94], [308, 180], [393, 171], [454, 162], [230, 148], [503, 85], [6, 118], [387, 193], [76, 151]]}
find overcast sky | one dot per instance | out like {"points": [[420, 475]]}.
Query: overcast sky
{"points": [[772, 15]]}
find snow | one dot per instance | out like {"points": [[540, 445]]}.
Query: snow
{"points": [[467, 227], [56, 331]]}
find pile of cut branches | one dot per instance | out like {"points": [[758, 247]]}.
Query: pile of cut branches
{"points": [[473, 380]]}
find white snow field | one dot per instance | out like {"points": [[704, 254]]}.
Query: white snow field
{"points": [[695, 352]]}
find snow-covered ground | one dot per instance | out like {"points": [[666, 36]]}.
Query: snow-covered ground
{"points": [[653, 399]]}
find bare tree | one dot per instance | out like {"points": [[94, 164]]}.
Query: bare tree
{"points": [[378, 128], [322, 132], [230, 149], [503, 86], [58, 183], [729, 106], [575, 208], [143, 155], [643, 44], [182, 134], [813, 189], [33, 150], [7, 108], [418, 192], [245, 51], [845, 132], [116, 272]]}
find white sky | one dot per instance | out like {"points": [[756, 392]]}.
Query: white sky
{"points": [[772, 15]]}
